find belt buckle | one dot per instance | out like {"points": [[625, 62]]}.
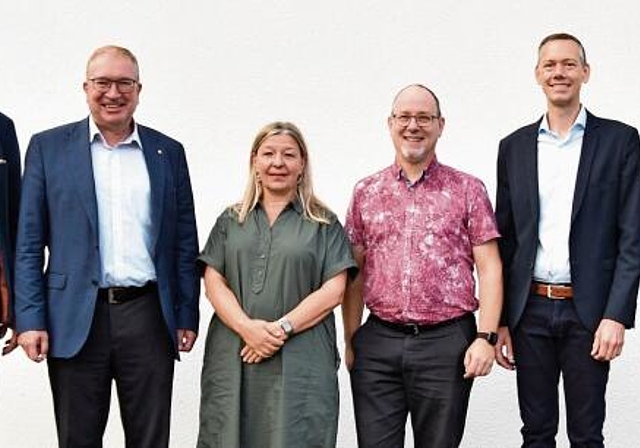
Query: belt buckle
{"points": [[415, 328], [551, 296], [111, 296]]}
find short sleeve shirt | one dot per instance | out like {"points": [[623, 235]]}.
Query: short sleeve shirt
{"points": [[272, 268], [418, 241]]}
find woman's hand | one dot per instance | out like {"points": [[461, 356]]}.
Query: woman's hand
{"points": [[262, 340]]}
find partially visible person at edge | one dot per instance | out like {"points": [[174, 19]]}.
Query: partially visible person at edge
{"points": [[418, 228], [568, 205], [9, 200], [110, 201], [276, 267]]}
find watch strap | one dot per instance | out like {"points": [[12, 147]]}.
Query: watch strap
{"points": [[489, 336]]}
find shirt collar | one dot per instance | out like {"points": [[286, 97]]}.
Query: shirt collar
{"points": [[578, 125], [132, 140], [396, 169], [295, 204]]}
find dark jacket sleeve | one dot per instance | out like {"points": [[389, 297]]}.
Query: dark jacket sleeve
{"points": [[621, 304], [505, 223], [9, 142]]}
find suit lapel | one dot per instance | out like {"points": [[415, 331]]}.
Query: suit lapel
{"points": [[154, 155], [589, 144], [82, 172]]}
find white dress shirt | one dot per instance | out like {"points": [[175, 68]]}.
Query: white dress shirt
{"points": [[123, 195], [558, 160]]}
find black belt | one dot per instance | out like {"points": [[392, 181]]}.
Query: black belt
{"points": [[121, 294], [415, 329]]}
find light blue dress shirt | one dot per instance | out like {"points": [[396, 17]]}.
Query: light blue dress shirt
{"points": [[123, 196], [558, 159]]}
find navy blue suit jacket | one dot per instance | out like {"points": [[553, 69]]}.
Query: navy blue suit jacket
{"points": [[604, 241], [59, 213], [9, 195]]}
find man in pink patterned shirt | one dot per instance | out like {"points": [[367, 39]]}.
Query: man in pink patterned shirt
{"points": [[418, 228]]}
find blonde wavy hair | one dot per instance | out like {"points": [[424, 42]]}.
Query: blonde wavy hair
{"points": [[313, 208]]}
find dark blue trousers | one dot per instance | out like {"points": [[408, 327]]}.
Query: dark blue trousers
{"points": [[550, 341]]}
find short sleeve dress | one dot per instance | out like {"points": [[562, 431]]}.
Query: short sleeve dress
{"points": [[291, 399]]}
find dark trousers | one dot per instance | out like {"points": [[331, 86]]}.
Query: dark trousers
{"points": [[395, 374], [128, 343], [550, 341]]}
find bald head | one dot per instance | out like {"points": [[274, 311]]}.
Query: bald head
{"points": [[411, 89]]}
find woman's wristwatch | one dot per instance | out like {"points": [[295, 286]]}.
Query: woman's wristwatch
{"points": [[286, 326]]}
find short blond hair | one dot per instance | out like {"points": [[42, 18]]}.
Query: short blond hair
{"points": [[564, 36], [117, 50]]}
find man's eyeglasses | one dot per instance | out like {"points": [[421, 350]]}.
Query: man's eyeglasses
{"points": [[103, 85], [422, 120]]}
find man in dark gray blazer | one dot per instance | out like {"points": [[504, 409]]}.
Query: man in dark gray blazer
{"points": [[111, 202], [568, 207], [9, 198]]}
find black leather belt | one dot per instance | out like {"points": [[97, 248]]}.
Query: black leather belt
{"points": [[416, 329], [121, 294]]}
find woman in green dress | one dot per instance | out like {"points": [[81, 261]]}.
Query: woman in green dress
{"points": [[276, 267]]}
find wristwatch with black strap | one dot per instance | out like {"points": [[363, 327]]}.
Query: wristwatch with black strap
{"points": [[489, 336]]}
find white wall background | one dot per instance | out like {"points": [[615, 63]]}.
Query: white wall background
{"points": [[215, 72]]}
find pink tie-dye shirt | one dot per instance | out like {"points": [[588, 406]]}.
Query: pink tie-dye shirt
{"points": [[418, 242]]}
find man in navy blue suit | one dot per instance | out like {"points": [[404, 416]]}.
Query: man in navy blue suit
{"points": [[110, 201], [568, 207], [9, 198]]}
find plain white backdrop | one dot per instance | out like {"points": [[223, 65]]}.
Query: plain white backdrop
{"points": [[214, 72]]}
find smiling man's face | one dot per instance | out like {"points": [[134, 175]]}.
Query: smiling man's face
{"points": [[561, 72], [415, 144], [112, 110]]}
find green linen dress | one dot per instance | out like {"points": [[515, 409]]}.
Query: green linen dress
{"points": [[291, 399]]}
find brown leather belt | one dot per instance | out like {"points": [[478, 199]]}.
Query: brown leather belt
{"points": [[552, 291]]}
